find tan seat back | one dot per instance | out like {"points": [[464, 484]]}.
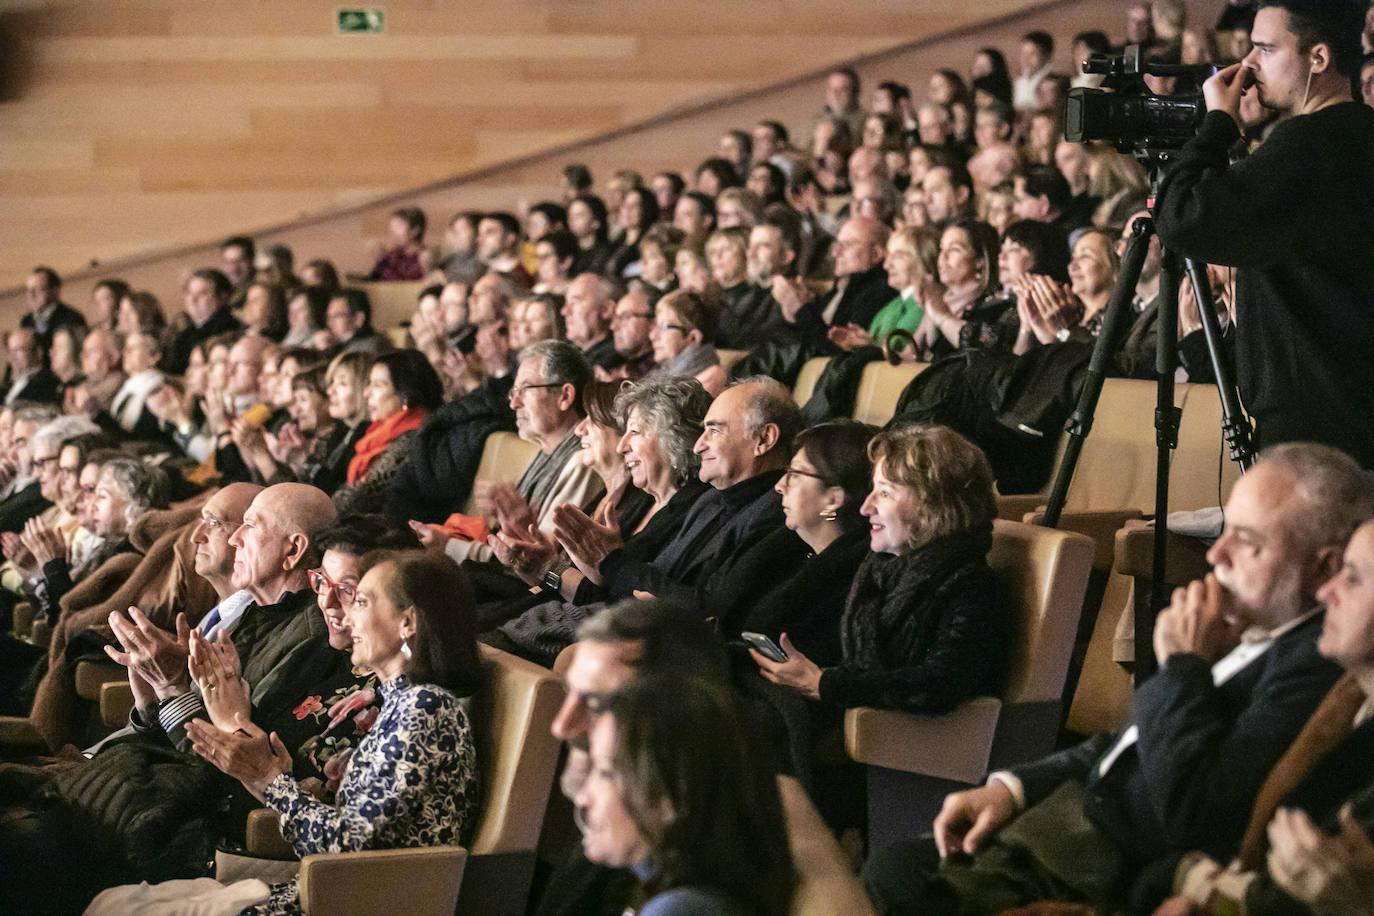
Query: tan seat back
{"points": [[393, 301], [1202, 473], [504, 458], [1116, 469], [880, 388], [806, 379], [1102, 697], [1045, 573], [518, 753]]}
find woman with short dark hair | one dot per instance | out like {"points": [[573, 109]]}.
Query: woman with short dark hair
{"points": [[402, 389]]}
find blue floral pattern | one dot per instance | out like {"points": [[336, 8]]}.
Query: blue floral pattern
{"points": [[411, 782]]}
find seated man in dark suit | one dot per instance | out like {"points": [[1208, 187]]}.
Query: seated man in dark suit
{"points": [[25, 495], [47, 312], [1205, 730], [30, 378], [1323, 768], [860, 291]]}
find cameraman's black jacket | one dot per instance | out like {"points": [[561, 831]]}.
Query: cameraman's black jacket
{"points": [[1297, 218]]}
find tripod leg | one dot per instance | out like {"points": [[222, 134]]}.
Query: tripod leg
{"points": [[1234, 424], [1115, 324], [1167, 418]]}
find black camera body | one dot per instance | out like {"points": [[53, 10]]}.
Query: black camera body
{"points": [[1127, 114]]}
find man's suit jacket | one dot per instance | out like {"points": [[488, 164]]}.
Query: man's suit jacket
{"points": [[21, 506], [62, 316], [43, 387], [1190, 780], [864, 296]]}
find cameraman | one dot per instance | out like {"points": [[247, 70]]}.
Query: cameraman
{"points": [[1296, 218]]}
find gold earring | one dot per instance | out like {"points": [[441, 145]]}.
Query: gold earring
{"points": [[829, 515]]}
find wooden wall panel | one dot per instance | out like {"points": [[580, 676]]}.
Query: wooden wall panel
{"points": [[148, 129]]}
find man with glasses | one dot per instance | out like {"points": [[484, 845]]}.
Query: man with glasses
{"points": [[30, 378], [26, 496], [47, 312], [183, 572], [630, 326], [547, 400]]}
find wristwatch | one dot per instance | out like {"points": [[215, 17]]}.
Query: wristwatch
{"points": [[552, 580], [1062, 334]]}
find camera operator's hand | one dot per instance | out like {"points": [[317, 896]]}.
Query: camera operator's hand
{"points": [[1223, 91]]}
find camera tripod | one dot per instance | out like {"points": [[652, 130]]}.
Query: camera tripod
{"points": [[1235, 425]]}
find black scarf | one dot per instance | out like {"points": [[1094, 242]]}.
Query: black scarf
{"points": [[892, 594]]}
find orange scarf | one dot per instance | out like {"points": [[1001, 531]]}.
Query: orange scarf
{"points": [[378, 436]]}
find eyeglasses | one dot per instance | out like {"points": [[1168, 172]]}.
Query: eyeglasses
{"points": [[520, 390], [793, 473], [665, 327], [40, 463], [323, 585]]}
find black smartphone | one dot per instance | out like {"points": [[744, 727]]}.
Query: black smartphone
{"points": [[765, 646]]}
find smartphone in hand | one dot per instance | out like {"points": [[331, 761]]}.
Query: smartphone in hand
{"points": [[764, 646]]}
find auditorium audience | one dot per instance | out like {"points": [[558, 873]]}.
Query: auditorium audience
{"points": [[925, 626], [655, 424], [587, 311], [349, 321], [1328, 869], [31, 381], [140, 312], [47, 312], [961, 311], [862, 553], [206, 303], [547, 400], [403, 255]]}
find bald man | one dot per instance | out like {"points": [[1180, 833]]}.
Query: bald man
{"points": [[860, 289], [273, 551]]}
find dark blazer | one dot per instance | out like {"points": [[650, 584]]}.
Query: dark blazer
{"points": [[43, 387], [178, 355], [1191, 779], [864, 296], [63, 316], [755, 592], [21, 506], [720, 524]]}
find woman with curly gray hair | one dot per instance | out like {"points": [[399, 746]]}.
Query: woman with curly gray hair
{"points": [[662, 418]]}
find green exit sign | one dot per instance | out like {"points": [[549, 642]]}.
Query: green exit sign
{"points": [[362, 22]]}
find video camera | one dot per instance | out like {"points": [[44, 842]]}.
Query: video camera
{"points": [[1126, 113]]}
